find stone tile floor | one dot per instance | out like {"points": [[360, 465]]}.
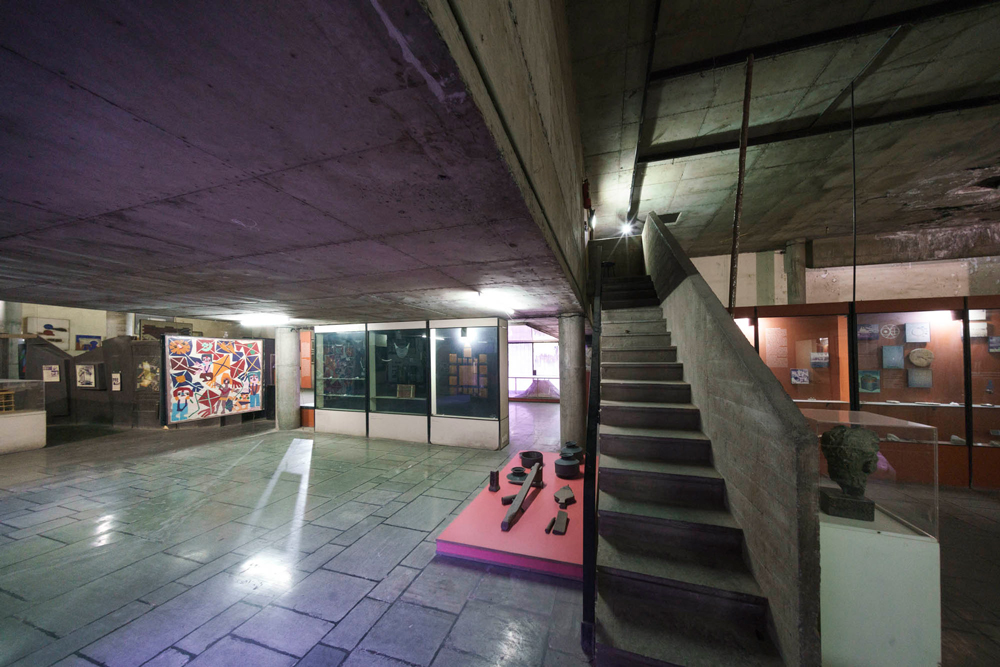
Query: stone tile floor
{"points": [[249, 546]]}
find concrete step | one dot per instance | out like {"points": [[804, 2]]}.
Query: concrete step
{"points": [[630, 370], [680, 578], [628, 303], [681, 484], [622, 328], [653, 354], [626, 280], [635, 341], [631, 293], [698, 528], [682, 416], [692, 447], [646, 391], [631, 632], [645, 314]]}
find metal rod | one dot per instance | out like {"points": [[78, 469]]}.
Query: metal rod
{"points": [[861, 28], [587, 627], [854, 205], [642, 114], [967, 372], [805, 133], [734, 259], [854, 393]]}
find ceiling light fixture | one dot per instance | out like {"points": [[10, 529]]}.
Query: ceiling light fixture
{"points": [[626, 229]]}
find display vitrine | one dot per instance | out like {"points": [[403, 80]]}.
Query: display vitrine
{"points": [[808, 355], [984, 351], [22, 415], [469, 401], [341, 379], [399, 384]]}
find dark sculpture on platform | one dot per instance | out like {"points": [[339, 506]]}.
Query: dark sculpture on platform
{"points": [[494, 481], [517, 505], [851, 455]]}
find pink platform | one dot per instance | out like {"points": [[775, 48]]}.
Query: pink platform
{"points": [[475, 534]]}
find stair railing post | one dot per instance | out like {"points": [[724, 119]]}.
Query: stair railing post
{"points": [[587, 637]]}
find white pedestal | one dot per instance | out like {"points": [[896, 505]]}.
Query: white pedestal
{"points": [[21, 431], [477, 433], [880, 593], [411, 428]]}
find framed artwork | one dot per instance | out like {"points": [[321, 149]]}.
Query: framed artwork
{"points": [[919, 378], [819, 359], [212, 377], [50, 373], [867, 332], [870, 382], [918, 332], [892, 356], [86, 376], [147, 375], [994, 343], [88, 342], [116, 382], [156, 329], [800, 376], [890, 331], [978, 330], [54, 331], [405, 390]]}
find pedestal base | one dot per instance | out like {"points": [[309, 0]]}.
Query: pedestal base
{"points": [[835, 503]]}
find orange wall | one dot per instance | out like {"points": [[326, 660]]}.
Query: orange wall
{"points": [[305, 359]]}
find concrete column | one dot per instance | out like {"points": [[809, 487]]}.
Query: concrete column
{"points": [[572, 380], [765, 278], [10, 323], [286, 362], [795, 270], [119, 324]]}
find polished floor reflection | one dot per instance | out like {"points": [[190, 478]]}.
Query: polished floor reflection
{"points": [[245, 546]]}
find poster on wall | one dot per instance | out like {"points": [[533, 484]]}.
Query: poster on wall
{"points": [[994, 344], [920, 378], [978, 330], [819, 359], [85, 343], [54, 331], [50, 373], [892, 356], [918, 332], [147, 376], [800, 376], [212, 377], [869, 382], [116, 382], [86, 378], [867, 332]]}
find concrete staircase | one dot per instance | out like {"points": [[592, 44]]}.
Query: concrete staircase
{"points": [[673, 587]]}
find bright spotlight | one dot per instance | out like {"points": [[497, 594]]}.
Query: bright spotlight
{"points": [[626, 229]]}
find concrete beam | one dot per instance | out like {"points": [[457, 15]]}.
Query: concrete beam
{"points": [[908, 17], [968, 240]]}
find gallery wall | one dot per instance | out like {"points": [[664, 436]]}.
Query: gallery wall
{"points": [[83, 322]]}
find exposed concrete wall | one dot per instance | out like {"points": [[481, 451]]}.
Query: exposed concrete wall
{"points": [[953, 277], [514, 57], [572, 380], [286, 361], [761, 444]]}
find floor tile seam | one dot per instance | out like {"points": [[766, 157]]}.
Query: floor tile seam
{"points": [[384, 655], [86, 658]]}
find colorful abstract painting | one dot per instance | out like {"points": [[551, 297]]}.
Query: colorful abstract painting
{"points": [[212, 377]]}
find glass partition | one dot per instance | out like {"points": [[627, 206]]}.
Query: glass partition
{"points": [[910, 366], [984, 329], [808, 355], [533, 364], [466, 373], [21, 396], [398, 359], [904, 484], [340, 370]]}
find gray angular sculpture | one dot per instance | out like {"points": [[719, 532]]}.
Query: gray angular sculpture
{"points": [[851, 455]]}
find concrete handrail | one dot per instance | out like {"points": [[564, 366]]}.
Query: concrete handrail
{"points": [[761, 444]]}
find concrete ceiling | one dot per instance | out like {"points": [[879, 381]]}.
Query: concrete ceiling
{"points": [[321, 160], [914, 174]]}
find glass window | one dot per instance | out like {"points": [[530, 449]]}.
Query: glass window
{"points": [[546, 358], [519, 360], [340, 370], [984, 327], [467, 379], [910, 366], [399, 359], [808, 355]]}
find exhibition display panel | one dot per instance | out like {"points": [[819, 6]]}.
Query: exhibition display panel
{"points": [[469, 402], [209, 377], [442, 381], [399, 387], [341, 379], [807, 354]]}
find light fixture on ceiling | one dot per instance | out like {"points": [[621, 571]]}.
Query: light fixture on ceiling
{"points": [[264, 319], [495, 300], [626, 229]]}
